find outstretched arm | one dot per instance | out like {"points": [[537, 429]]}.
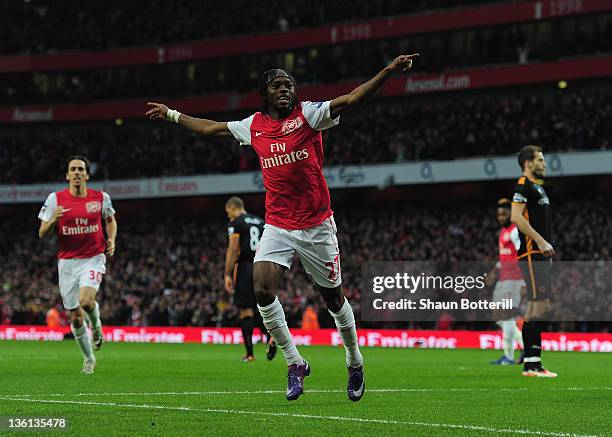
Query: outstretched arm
{"points": [[364, 91], [159, 111]]}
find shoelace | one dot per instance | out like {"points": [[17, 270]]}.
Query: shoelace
{"points": [[355, 377], [293, 376]]}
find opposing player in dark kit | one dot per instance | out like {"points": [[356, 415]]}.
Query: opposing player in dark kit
{"points": [[531, 214], [244, 231]]}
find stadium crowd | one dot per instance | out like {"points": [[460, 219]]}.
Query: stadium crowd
{"points": [[34, 26], [326, 64], [166, 274], [387, 130]]}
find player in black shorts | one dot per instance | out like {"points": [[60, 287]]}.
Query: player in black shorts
{"points": [[244, 231], [531, 214]]}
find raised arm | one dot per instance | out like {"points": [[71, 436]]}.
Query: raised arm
{"points": [[365, 90], [159, 111]]}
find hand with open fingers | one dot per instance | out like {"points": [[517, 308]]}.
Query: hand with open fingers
{"points": [[403, 62], [110, 247], [158, 111], [59, 212], [546, 248]]}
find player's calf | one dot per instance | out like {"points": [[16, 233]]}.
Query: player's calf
{"points": [[81, 336]]}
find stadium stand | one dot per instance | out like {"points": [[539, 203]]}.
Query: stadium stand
{"points": [[389, 130], [162, 274], [38, 26]]}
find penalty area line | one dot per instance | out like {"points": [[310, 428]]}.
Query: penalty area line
{"points": [[303, 416]]}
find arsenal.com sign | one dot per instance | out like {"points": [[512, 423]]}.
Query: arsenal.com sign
{"points": [[551, 341]]}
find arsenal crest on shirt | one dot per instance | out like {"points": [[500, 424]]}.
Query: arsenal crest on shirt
{"points": [[291, 125], [93, 207]]}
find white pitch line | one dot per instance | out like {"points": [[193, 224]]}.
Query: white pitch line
{"points": [[308, 416], [268, 392]]}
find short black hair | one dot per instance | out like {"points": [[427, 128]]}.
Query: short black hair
{"points": [[504, 203], [81, 158], [527, 153], [235, 201]]}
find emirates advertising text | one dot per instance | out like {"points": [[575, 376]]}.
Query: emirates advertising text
{"points": [[445, 291]]}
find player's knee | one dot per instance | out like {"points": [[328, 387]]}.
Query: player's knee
{"points": [[76, 319], [264, 297], [87, 304], [265, 280], [333, 297]]}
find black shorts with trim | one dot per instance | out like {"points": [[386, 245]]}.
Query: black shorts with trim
{"points": [[244, 292], [537, 273]]}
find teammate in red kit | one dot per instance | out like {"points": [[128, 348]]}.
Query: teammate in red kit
{"points": [[77, 214], [286, 135], [509, 282]]}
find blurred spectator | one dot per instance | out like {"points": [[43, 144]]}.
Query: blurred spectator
{"points": [[310, 319], [359, 60], [169, 275], [385, 130], [33, 26]]}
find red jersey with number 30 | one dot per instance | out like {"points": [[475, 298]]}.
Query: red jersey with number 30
{"points": [[290, 154], [79, 230]]}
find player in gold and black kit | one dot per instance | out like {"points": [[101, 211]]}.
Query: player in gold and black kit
{"points": [[531, 214], [244, 232]]}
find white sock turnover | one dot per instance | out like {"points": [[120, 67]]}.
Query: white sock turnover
{"points": [[94, 317], [345, 322], [274, 320], [81, 336]]}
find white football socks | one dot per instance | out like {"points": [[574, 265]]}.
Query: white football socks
{"points": [[509, 329], [345, 322], [94, 318], [274, 320], [81, 336], [518, 336]]}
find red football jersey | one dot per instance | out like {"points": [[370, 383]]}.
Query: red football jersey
{"points": [[290, 154], [79, 231], [509, 244]]}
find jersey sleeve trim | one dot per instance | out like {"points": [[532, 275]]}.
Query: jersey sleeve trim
{"points": [[318, 115], [519, 198], [48, 208], [514, 237], [241, 130], [107, 206]]}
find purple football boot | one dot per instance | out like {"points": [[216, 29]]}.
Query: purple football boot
{"points": [[356, 383], [295, 380]]}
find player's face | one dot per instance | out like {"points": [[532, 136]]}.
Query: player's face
{"points": [[503, 216], [77, 173], [281, 94], [538, 165], [231, 212]]}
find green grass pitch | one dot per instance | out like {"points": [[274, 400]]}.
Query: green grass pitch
{"points": [[192, 389]]}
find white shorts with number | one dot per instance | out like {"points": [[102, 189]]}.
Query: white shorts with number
{"points": [[509, 289], [77, 273], [317, 248]]}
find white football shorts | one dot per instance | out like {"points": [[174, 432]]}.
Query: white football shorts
{"points": [[77, 273], [317, 248], [509, 289]]}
